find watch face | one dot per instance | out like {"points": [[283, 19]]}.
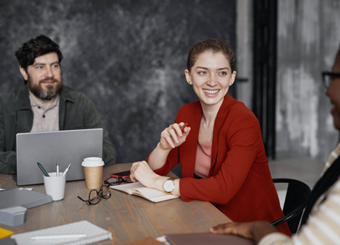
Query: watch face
{"points": [[169, 186]]}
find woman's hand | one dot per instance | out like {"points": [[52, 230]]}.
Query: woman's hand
{"points": [[141, 171], [173, 136]]}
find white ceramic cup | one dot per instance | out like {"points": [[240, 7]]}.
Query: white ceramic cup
{"points": [[55, 185], [93, 170]]}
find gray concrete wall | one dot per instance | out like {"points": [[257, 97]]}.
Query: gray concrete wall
{"points": [[129, 57], [244, 64], [308, 39]]}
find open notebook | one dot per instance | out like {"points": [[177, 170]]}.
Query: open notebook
{"points": [[93, 232], [140, 190]]}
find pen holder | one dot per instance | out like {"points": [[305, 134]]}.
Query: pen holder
{"points": [[55, 185]]}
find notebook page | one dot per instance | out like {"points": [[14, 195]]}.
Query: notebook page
{"points": [[138, 189], [154, 194]]}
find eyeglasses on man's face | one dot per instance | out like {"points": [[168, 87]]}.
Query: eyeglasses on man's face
{"points": [[327, 77], [95, 196]]}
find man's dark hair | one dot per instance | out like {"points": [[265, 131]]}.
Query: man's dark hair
{"points": [[34, 48]]}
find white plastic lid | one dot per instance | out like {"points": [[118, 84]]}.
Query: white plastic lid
{"points": [[92, 162]]}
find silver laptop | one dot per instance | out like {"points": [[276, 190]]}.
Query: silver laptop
{"points": [[48, 148]]}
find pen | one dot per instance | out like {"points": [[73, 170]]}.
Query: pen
{"points": [[43, 170], [58, 236], [57, 172], [67, 169]]}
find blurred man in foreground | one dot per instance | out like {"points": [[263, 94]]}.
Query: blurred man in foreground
{"points": [[321, 221]]}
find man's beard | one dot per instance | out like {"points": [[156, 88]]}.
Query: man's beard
{"points": [[42, 94]]}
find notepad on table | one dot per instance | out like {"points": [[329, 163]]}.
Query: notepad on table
{"points": [[140, 190], [22, 197], [93, 232]]}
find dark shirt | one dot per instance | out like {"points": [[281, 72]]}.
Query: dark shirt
{"points": [[76, 111]]}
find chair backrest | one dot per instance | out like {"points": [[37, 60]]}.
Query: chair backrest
{"points": [[295, 202]]}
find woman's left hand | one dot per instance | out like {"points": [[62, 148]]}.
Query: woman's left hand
{"points": [[141, 171]]}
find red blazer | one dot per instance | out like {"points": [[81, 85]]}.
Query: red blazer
{"points": [[239, 182]]}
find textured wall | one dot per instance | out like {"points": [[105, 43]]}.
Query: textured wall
{"points": [[127, 56], [244, 34], [308, 39]]}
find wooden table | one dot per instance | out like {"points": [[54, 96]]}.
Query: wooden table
{"points": [[128, 218]]}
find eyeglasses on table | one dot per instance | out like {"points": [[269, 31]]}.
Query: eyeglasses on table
{"points": [[117, 180], [327, 77], [95, 196]]}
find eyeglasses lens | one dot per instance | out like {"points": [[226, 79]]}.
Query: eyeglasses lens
{"points": [[127, 179], [327, 80], [113, 181], [94, 197], [104, 192]]}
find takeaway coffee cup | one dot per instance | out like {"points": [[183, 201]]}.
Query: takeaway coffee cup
{"points": [[93, 170], [55, 185]]}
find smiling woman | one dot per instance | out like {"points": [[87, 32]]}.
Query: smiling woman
{"points": [[220, 151]]}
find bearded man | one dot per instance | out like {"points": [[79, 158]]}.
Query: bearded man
{"points": [[43, 103]]}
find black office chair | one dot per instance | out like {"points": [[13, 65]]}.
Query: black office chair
{"points": [[295, 202]]}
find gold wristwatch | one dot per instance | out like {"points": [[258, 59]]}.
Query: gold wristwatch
{"points": [[169, 185]]}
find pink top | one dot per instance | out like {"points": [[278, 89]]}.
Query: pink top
{"points": [[203, 159]]}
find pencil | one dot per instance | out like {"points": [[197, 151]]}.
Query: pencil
{"points": [[43, 170], [57, 172], [58, 236]]}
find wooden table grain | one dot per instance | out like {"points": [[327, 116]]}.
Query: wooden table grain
{"points": [[128, 218]]}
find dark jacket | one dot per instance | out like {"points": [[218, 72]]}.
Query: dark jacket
{"points": [[76, 111]]}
